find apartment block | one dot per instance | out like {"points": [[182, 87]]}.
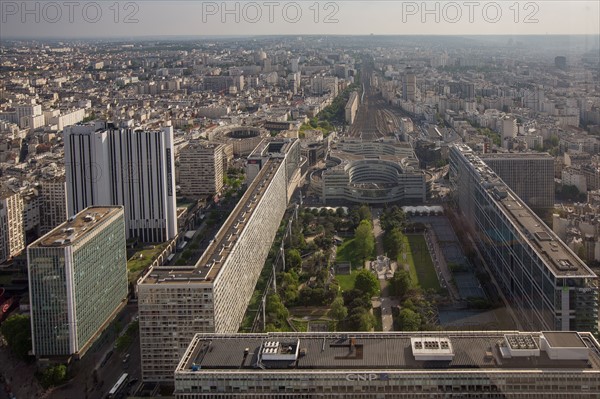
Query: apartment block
{"points": [[134, 168], [12, 233], [529, 175], [201, 168], [212, 295]]}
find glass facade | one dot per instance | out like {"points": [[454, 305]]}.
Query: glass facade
{"points": [[543, 299], [76, 289]]}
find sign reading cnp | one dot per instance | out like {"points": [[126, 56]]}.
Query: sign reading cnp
{"points": [[367, 377]]}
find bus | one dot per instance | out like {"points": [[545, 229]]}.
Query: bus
{"points": [[118, 387]]}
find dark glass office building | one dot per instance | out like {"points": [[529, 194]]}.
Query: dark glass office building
{"points": [[547, 285]]}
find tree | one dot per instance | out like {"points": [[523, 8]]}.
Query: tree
{"points": [[340, 212], [409, 320], [356, 298], [364, 242], [392, 242], [54, 375], [367, 282], [361, 319], [400, 283], [275, 309], [364, 213], [17, 332], [314, 296], [293, 260], [392, 218], [325, 241], [338, 311]]}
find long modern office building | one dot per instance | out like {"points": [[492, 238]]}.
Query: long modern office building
{"points": [[548, 285], [529, 175], [351, 108], [373, 172], [111, 165], [77, 281], [212, 295], [498, 364]]}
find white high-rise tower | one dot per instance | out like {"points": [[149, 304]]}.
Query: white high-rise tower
{"points": [[108, 165]]}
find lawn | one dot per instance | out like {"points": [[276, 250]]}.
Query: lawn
{"points": [[300, 325], [137, 263], [346, 252], [346, 281], [422, 271]]}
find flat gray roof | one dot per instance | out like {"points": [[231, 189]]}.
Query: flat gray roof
{"points": [[564, 339], [77, 227], [211, 261], [517, 156], [332, 351]]}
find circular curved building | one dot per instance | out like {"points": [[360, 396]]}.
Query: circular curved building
{"points": [[373, 172], [244, 139]]}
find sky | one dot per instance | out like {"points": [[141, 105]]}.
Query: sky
{"points": [[130, 19]]}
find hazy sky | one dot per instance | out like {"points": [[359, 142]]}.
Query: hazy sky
{"points": [[84, 19]]}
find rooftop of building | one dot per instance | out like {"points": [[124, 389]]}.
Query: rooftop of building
{"points": [[564, 339], [560, 259], [77, 227], [272, 147], [517, 155], [492, 350], [201, 144], [208, 266]]}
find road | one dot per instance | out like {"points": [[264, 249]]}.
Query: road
{"points": [[82, 386]]}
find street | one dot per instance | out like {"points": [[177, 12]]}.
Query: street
{"points": [[82, 386]]}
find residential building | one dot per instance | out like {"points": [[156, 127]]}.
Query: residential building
{"points": [[54, 203], [223, 83], [574, 177], [409, 85], [12, 232], [109, 165], [201, 169], [529, 175], [212, 295]]}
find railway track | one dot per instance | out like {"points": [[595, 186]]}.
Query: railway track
{"points": [[375, 119]]}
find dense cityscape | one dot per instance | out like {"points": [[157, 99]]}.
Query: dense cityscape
{"points": [[300, 216]]}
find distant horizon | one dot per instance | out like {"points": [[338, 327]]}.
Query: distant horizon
{"points": [[274, 35], [179, 18]]}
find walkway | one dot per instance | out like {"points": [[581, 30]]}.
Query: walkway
{"points": [[384, 300], [440, 264]]}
